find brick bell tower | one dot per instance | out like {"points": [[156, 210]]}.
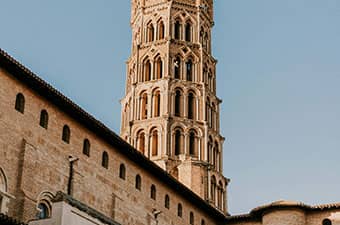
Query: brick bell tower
{"points": [[170, 111]]}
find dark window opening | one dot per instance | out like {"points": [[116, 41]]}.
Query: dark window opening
{"points": [[20, 103], [122, 172], [86, 147], [44, 119], [105, 160], [66, 134]]}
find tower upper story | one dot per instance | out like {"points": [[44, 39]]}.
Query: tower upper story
{"points": [[170, 111]]}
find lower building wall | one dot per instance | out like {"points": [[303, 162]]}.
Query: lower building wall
{"points": [[285, 217]]}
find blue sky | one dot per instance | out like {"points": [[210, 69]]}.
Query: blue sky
{"points": [[278, 76]]}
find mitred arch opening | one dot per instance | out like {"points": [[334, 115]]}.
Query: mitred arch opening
{"points": [[159, 68], [161, 30], [177, 30], [177, 68]]}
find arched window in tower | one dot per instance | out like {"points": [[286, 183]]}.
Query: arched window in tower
{"points": [[202, 222], [159, 68], [43, 119], [153, 192], [167, 202], [177, 68], [150, 32], [144, 106], [189, 70], [192, 218], [154, 142], [192, 143], [105, 160], [210, 149], [220, 195], [202, 37], [122, 172], [178, 142], [179, 210], [147, 70], [205, 74], [210, 80], [20, 103], [138, 183], [177, 30], [191, 106], [213, 190], [188, 31], [206, 41], [66, 134], [213, 116], [178, 96], [207, 112], [215, 157], [141, 142], [156, 103], [161, 30], [86, 147]]}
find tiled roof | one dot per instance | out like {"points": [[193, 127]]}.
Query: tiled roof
{"points": [[44, 89], [6, 220], [256, 214]]}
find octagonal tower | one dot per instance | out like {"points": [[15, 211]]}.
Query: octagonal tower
{"points": [[170, 111]]}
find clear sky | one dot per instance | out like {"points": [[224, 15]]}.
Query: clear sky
{"points": [[278, 76]]}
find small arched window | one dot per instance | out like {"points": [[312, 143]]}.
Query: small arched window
{"points": [[154, 142], [153, 192], [44, 119], [192, 218], [66, 134], [178, 142], [157, 104], [177, 68], [147, 70], [179, 210], [86, 147], [105, 160], [178, 96], [191, 106], [167, 202], [20, 103], [326, 222], [144, 106], [159, 68], [138, 184], [177, 30], [161, 30], [150, 33], [202, 222], [213, 189], [192, 144], [122, 171], [188, 32], [189, 70], [44, 211], [141, 142]]}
